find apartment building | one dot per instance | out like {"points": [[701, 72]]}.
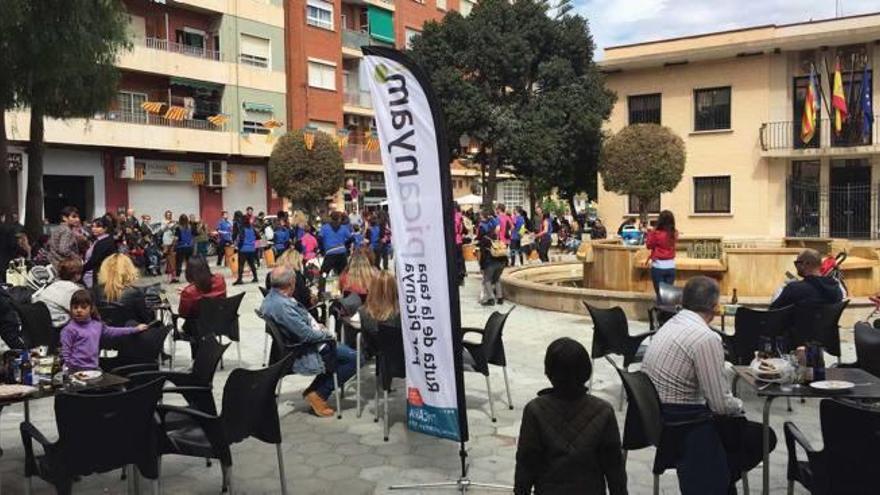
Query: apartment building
{"points": [[200, 103], [737, 99], [327, 90]]}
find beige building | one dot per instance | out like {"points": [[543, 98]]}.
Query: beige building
{"points": [[736, 98]]}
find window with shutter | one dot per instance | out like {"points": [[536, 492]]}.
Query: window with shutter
{"points": [[254, 51]]}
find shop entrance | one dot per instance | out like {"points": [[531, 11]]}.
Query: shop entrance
{"points": [[68, 190]]}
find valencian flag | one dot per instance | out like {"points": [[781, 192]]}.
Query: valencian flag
{"points": [[372, 143], [309, 137], [866, 103], [218, 120], [175, 113], [811, 106], [415, 160], [838, 99], [152, 106]]}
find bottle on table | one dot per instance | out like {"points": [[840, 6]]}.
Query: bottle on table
{"points": [[26, 368], [819, 364], [734, 300]]}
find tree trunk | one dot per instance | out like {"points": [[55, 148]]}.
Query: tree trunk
{"points": [[643, 212], [6, 201], [533, 200], [34, 200], [491, 189], [572, 206]]}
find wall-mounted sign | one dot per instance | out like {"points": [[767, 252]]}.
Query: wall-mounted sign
{"points": [[170, 170]]}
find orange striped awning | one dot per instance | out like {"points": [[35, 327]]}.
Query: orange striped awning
{"points": [[218, 120], [152, 106], [175, 113], [272, 124]]}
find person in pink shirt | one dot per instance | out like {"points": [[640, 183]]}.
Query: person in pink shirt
{"points": [[458, 219], [505, 223], [309, 244]]}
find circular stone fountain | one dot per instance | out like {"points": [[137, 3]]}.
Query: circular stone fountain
{"points": [[608, 273]]}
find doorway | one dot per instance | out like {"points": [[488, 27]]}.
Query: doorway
{"points": [[67, 190], [850, 199]]}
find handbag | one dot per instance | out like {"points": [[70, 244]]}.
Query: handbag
{"points": [[527, 239], [498, 250]]}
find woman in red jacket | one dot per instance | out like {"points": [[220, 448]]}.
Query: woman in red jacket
{"points": [[661, 242], [202, 284]]}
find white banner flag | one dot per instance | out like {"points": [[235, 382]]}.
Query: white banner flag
{"points": [[417, 182]]}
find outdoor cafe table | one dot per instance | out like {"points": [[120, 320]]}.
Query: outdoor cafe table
{"points": [[867, 387], [106, 381]]}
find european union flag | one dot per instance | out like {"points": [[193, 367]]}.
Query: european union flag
{"points": [[866, 103]]}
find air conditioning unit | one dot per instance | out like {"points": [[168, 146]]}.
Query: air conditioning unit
{"points": [[352, 120], [126, 168], [216, 173], [364, 186]]}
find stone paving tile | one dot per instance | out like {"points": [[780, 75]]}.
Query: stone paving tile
{"points": [[349, 456]]}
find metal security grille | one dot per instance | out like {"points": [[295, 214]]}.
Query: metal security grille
{"points": [[711, 109], [840, 211], [644, 109]]}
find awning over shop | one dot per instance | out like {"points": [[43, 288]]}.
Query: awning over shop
{"points": [[192, 83]]}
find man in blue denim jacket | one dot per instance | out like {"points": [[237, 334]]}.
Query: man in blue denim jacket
{"points": [[295, 322]]}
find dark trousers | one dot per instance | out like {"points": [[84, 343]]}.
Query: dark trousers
{"points": [[334, 263], [183, 254], [346, 366], [251, 259], [459, 264], [544, 248], [221, 252], [711, 455], [665, 275], [515, 250], [380, 257]]}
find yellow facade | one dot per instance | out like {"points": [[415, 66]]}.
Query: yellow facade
{"points": [[760, 66]]}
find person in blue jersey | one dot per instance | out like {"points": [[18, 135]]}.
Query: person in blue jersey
{"points": [[246, 242], [357, 239], [185, 235], [335, 236], [224, 235], [281, 240], [515, 248], [380, 239]]}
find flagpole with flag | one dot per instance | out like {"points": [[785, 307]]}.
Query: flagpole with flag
{"points": [[838, 99], [811, 107], [866, 103], [415, 158]]}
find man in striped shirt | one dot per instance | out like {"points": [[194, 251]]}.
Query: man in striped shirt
{"points": [[685, 362]]}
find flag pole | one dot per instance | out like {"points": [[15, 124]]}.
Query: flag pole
{"points": [[822, 90]]}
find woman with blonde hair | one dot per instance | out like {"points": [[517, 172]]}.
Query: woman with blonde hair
{"points": [[356, 277], [293, 259], [117, 284], [381, 307]]}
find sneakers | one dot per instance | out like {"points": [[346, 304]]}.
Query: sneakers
{"points": [[319, 405], [488, 302]]}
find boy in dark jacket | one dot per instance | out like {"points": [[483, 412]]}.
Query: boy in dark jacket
{"points": [[569, 441]]}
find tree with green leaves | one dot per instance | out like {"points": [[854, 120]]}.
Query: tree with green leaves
{"points": [[306, 176], [63, 54], [9, 78], [643, 160], [519, 78]]}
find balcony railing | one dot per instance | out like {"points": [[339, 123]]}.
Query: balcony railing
{"points": [[189, 50], [786, 135], [359, 99], [357, 39], [153, 119], [359, 153]]}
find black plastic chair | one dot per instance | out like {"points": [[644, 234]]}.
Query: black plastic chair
{"points": [[669, 304], [136, 350], [478, 356], [114, 314], [190, 383], [36, 326], [282, 347], [390, 364], [750, 327], [611, 336], [818, 323], [219, 316], [644, 425], [96, 433], [845, 466], [250, 409], [867, 339]]}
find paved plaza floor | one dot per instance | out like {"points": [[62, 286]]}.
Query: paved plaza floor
{"points": [[348, 456]]}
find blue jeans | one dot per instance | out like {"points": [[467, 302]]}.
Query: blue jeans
{"points": [[665, 275], [701, 462], [346, 366]]}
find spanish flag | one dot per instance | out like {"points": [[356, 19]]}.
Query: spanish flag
{"points": [[838, 99], [811, 105]]}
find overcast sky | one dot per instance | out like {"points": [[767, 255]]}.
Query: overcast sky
{"points": [[615, 22]]}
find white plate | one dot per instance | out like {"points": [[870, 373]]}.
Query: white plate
{"points": [[832, 385], [782, 365], [88, 375], [15, 390]]}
